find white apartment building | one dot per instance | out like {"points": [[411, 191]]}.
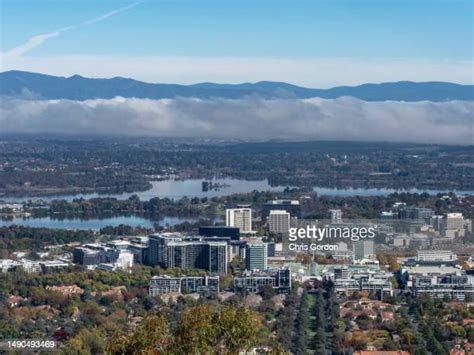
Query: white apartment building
{"points": [[124, 260], [279, 222], [240, 218], [453, 221], [452, 225]]}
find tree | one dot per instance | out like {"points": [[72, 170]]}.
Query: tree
{"points": [[237, 328], [302, 324], [267, 292], [152, 335], [195, 331], [319, 325], [200, 330]]}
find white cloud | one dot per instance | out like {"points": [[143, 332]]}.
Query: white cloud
{"points": [[317, 72], [111, 13], [10, 57], [249, 118]]}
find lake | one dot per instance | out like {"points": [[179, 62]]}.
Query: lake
{"points": [[176, 189], [95, 224], [173, 189]]}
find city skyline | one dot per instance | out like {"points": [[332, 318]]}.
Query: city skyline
{"points": [[237, 177]]}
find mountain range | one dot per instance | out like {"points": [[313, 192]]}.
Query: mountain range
{"points": [[41, 86]]}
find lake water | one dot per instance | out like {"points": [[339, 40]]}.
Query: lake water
{"points": [[176, 189], [173, 189], [95, 224]]}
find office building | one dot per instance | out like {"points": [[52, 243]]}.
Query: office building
{"points": [[256, 256], [457, 287], [437, 222], [349, 281], [114, 253], [86, 256], [220, 231], [436, 256], [453, 221], [293, 207], [124, 260], [271, 249], [172, 250], [341, 273], [54, 264], [401, 240], [416, 213], [31, 266], [279, 280], [200, 284], [363, 249], [278, 222], [236, 249], [452, 225], [254, 283], [240, 218], [140, 253], [160, 285]]}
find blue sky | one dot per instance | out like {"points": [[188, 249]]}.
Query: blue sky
{"points": [[204, 40]]}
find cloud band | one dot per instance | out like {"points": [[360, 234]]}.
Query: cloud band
{"points": [[250, 118]]}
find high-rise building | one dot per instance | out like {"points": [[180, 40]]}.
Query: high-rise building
{"points": [[416, 213], [283, 280], [278, 222], [293, 207], [240, 218], [363, 249], [140, 253], [158, 248], [452, 225], [177, 251], [437, 222], [217, 261], [271, 249], [256, 256], [453, 221], [336, 216]]}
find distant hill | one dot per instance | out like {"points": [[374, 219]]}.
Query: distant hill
{"points": [[15, 83]]}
